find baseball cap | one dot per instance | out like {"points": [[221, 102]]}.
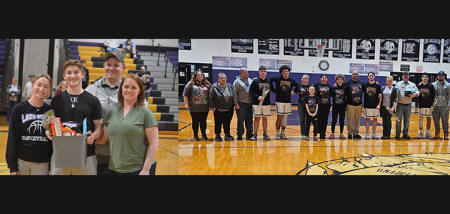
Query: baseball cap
{"points": [[441, 72], [116, 54], [405, 72], [31, 75]]}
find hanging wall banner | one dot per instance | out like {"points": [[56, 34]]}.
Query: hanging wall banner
{"points": [[292, 47], [281, 62], [184, 44], [346, 52], [446, 51], [238, 62], [371, 68], [389, 49], [386, 66], [268, 63], [242, 45], [221, 61], [432, 50], [357, 67], [365, 49], [268, 46], [410, 50]]}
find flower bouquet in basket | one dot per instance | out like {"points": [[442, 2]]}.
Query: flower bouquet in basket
{"points": [[264, 94], [389, 110]]}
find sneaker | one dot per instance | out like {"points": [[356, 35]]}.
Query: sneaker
{"points": [[196, 137], [357, 136], [331, 136], [283, 136], [303, 136], [349, 136], [228, 137], [254, 137], [342, 136], [407, 137], [420, 136], [367, 135], [307, 138], [239, 137], [218, 138], [397, 137], [316, 138], [277, 136], [375, 136], [266, 137], [204, 137], [428, 136]]}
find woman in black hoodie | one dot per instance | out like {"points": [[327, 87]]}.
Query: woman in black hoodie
{"points": [[28, 151], [221, 102]]}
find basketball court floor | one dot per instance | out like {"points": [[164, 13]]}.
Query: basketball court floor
{"points": [[295, 156], [166, 156]]}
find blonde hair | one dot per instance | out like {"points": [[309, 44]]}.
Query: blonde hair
{"points": [[14, 78], [389, 78]]}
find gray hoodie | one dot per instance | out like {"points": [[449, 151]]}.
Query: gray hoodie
{"points": [[442, 93]]}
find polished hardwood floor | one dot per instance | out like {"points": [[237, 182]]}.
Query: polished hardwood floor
{"points": [[296, 156], [166, 156]]}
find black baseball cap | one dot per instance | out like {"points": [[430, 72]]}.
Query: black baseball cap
{"points": [[116, 54]]}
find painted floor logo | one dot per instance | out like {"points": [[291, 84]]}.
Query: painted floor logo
{"points": [[366, 164]]}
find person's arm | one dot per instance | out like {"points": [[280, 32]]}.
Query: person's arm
{"points": [[98, 132], [153, 139], [307, 108], [186, 102], [104, 138], [380, 97], [12, 143], [235, 95]]}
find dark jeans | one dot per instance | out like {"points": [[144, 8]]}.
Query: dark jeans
{"points": [[151, 172], [387, 121], [302, 114], [11, 106], [245, 114], [338, 109], [323, 112], [310, 119], [222, 118], [199, 118]]}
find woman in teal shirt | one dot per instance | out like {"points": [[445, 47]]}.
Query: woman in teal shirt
{"points": [[127, 127]]}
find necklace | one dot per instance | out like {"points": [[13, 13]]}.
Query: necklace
{"points": [[73, 99]]}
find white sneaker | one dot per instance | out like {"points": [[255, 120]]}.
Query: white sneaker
{"points": [[375, 135], [303, 136], [367, 135], [277, 136], [420, 136]]}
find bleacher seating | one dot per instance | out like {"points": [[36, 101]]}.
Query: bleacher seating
{"points": [[95, 59], [3, 43]]}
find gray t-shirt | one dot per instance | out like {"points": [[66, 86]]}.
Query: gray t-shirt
{"points": [[197, 98]]}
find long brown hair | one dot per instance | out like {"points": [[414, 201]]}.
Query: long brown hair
{"points": [[194, 81], [140, 98]]}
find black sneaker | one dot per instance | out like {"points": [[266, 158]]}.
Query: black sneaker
{"points": [[218, 138], [357, 136], [349, 136], [204, 137], [196, 137], [239, 137], [228, 137], [266, 136], [398, 137], [254, 137], [407, 137]]}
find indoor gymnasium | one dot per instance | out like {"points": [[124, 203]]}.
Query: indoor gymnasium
{"points": [[24, 59], [384, 80]]}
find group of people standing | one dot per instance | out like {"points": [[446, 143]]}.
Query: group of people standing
{"points": [[251, 99], [122, 132]]}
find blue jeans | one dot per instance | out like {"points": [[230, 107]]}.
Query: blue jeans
{"points": [[302, 115], [147, 95], [403, 113], [108, 49], [245, 114]]}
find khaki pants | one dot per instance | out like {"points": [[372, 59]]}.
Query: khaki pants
{"points": [[353, 113], [32, 168]]}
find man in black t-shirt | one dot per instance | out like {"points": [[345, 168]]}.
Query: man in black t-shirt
{"points": [[354, 104], [73, 106], [259, 85]]}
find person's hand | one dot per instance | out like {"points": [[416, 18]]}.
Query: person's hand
{"points": [[378, 107], [13, 95], [90, 138], [144, 172], [49, 134], [313, 115], [335, 85], [14, 173], [186, 106], [237, 107], [392, 110], [213, 109], [261, 98], [412, 95], [292, 92]]}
